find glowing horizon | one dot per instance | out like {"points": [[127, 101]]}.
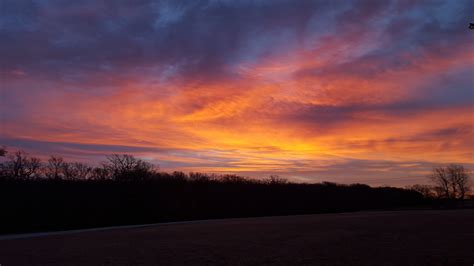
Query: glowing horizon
{"points": [[358, 91]]}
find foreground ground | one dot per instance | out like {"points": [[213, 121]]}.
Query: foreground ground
{"points": [[362, 238]]}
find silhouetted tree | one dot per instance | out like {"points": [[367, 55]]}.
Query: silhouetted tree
{"points": [[460, 183], [425, 190], [55, 167], [125, 167], [179, 176], [76, 170], [276, 180], [83, 171], [451, 182], [199, 177], [100, 173], [33, 167], [233, 179], [20, 165]]}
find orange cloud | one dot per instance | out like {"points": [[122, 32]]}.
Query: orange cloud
{"points": [[319, 104]]}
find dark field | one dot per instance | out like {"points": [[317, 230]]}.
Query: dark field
{"points": [[360, 238]]}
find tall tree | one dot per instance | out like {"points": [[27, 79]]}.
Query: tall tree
{"points": [[451, 182]]}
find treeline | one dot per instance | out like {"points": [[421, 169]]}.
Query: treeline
{"points": [[20, 165], [59, 195]]}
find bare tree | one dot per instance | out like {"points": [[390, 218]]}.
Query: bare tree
{"points": [[451, 182], [276, 180], [180, 176], [425, 190], [20, 165], [199, 177], [54, 168], [82, 171], [58, 168], [460, 180], [100, 173], [68, 171], [441, 179], [125, 167], [33, 167], [232, 179], [16, 164]]}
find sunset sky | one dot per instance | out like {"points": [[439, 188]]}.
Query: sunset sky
{"points": [[375, 92]]}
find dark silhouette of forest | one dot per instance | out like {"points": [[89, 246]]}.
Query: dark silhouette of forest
{"points": [[59, 195]]}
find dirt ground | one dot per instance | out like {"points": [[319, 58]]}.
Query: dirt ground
{"points": [[360, 238]]}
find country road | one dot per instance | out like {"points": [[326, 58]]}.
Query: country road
{"points": [[360, 238]]}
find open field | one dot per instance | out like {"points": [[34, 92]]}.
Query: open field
{"points": [[360, 238]]}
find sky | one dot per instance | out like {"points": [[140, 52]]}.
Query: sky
{"points": [[375, 92]]}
